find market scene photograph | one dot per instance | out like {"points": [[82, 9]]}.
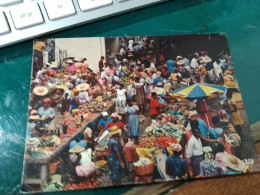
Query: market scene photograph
{"points": [[133, 110]]}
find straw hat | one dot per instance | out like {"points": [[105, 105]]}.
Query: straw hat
{"points": [[82, 87], [77, 149], [75, 90], [34, 115], [180, 62], [61, 87], [70, 61], [54, 65], [40, 91], [206, 59], [204, 52], [114, 130], [233, 162]]}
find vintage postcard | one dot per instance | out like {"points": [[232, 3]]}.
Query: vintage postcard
{"points": [[132, 110]]}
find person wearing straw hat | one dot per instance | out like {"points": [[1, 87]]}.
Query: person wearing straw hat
{"points": [[72, 68], [175, 166], [31, 123], [84, 166], [116, 160], [83, 94], [40, 91], [229, 163]]}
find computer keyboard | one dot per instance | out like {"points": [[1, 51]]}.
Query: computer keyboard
{"points": [[26, 19]]}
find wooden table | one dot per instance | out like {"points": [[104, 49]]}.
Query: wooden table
{"points": [[42, 162]]}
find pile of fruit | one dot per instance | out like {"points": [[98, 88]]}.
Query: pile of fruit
{"points": [[148, 142], [90, 183], [166, 141], [229, 79], [71, 130]]}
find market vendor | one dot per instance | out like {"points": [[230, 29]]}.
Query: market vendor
{"points": [[175, 165], [116, 160], [66, 96], [82, 162], [74, 101], [203, 128], [31, 124], [57, 97], [155, 105], [78, 141], [83, 93], [103, 121], [72, 68], [46, 112], [194, 151]]}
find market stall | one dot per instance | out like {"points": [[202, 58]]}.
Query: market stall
{"points": [[42, 156]]}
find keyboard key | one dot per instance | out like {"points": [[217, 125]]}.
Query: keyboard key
{"points": [[26, 15], [8, 2], [4, 28], [86, 5], [59, 8]]}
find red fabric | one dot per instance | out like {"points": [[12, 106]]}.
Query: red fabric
{"points": [[161, 57], [112, 71], [119, 125], [203, 112], [153, 104], [51, 72]]}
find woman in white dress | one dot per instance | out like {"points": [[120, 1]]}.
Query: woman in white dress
{"points": [[121, 99]]}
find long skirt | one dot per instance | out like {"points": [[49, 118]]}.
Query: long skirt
{"points": [[195, 163], [120, 105], [133, 125], [148, 91]]}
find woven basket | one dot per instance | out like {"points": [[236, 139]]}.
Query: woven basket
{"points": [[144, 170]]}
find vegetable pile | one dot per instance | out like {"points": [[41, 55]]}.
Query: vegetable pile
{"points": [[90, 183], [167, 130], [148, 142], [165, 141]]}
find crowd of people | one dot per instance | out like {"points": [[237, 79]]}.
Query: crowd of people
{"points": [[141, 80]]}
